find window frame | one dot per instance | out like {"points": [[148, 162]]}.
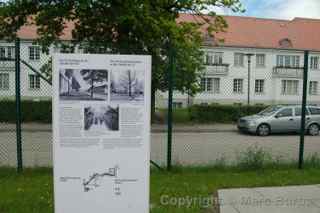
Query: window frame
{"points": [[2, 52], [4, 83], [34, 53], [314, 62], [212, 58], [287, 89], [288, 61], [258, 86], [238, 61], [238, 85], [312, 113], [258, 64], [313, 88], [285, 116], [34, 82], [300, 108], [208, 85]]}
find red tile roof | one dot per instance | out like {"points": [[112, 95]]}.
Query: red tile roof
{"points": [[242, 32], [303, 33]]}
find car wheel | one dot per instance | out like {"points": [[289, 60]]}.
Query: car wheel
{"points": [[263, 130], [314, 129]]}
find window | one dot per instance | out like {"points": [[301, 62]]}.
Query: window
{"points": [[313, 88], [34, 53], [177, 105], [260, 60], [2, 52], [34, 81], [314, 110], [210, 85], [287, 112], [298, 111], [314, 62], [238, 59], [288, 61], [7, 52], [213, 58], [238, 85], [290, 87], [4, 81], [259, 86], [11, 53]]}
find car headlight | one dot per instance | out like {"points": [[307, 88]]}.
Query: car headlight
{"points": [[252, 123]]}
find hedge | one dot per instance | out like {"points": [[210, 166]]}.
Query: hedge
{"points": [[214, 113], [32, 111], [41, 112], [222, 113]]}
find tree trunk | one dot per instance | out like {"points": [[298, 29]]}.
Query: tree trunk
{"points": [[153, 104], [92, 88], [130, 83]]}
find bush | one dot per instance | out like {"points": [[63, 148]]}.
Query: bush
{"points": [[214, 113], [254, 158], [222, 113], [32, 111], [180, 115]]}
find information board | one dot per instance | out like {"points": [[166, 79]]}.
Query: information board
{"points": [[101, 133]]}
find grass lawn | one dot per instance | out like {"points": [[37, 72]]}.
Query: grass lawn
{"points": [[31, 192]]}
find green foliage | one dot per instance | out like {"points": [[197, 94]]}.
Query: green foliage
{"points": [[128, 26], [222, 113], [32, 111], [312, 161], [210, 114], [46, 70], [254, 158]]}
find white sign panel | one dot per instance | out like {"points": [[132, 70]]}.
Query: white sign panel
{"points": [[101, 132]]}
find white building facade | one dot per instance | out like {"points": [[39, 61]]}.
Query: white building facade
{"points": [[276, 69], [276, 77]]}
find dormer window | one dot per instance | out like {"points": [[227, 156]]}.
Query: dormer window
{"points": [[208, 40], [285, 43]]}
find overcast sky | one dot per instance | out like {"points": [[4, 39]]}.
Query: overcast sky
{"points": [[280, 9]]}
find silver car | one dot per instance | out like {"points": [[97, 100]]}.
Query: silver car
{"points": [[281, 119]]}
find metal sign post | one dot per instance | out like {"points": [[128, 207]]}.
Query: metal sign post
{"points": [[170, 94], [18, 106], [304, 103]]}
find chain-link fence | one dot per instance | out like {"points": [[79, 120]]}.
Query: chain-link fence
{"points": [[225, 123], [8, 145], [205, 133]]}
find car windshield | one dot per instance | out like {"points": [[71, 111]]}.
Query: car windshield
{"points": [[269, 110]]}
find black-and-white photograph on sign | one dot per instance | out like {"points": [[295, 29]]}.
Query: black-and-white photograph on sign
{"points": [[127, 85], [83, 84], [101, 118]]}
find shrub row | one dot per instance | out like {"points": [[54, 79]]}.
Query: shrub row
{"points": [[41, 111], [211, 113], [32, 111], [222, 113]]}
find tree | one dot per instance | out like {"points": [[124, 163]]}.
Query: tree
{"points": [[94, 76], [126, 26], [128, 81]]}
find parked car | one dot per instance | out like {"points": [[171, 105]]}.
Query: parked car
{"points": [[281, 119]]}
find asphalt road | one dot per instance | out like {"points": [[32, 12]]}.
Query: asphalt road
{"points": [[191, 148]]}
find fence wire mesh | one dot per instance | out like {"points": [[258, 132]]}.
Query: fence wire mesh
{"points": [[8, 145], [36, 92], [205, 125]]}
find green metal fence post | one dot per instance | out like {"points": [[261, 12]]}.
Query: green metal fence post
{"points": [[18, 106], [304, 103], [170, 94]]}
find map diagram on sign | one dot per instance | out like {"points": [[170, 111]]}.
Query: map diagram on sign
{"points": [[95, 179]]}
